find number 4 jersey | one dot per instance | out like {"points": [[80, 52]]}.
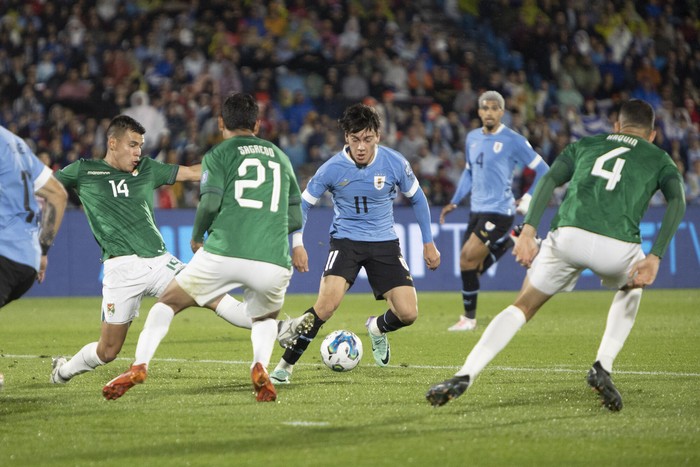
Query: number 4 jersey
{"points": [[612, 178], [256, 182], [119, 205]]}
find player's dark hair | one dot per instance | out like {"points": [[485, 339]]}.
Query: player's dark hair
{"points": [[637, 113], [240, 112], [359, 117], [121, 124]]}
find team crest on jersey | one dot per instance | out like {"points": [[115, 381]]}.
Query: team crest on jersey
{"points": [[135, 172], [497, 146], [379, 181], [490, 226], [110, 309]]}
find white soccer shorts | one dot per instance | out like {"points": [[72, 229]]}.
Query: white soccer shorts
{"points": [[568, 251], [128, 278], [208, 276]]}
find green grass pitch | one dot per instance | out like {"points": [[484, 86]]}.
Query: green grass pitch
{"points": [[531, 406]]}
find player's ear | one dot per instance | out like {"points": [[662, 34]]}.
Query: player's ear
{"points": [[616, 127], [652, 136]]}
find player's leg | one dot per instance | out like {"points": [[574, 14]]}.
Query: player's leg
{"points": [[234, 312], [612, 262], [496, 336], [265, 286], [331, 292], [486, 240], [123, 286], [550, 273], [473, 253], [172, 299], [92, 355]]}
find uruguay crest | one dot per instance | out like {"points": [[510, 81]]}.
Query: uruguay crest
{"points": [[497, 146], [379, 181]]}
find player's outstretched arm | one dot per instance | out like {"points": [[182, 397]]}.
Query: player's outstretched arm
{"points": [[191, 173]]}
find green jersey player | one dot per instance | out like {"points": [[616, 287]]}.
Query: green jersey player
{"points": [[611, 181], [250, 200], [117, 196]]}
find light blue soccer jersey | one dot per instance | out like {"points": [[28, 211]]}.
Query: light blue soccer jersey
{"points": [[491, 159], [21, 174], [363, 196]]}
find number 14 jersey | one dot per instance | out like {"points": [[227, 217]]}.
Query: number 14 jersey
{"points": [[119, 205]]}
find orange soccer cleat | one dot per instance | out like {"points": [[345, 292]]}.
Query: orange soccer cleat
{"points": [[264, 389], [127, 380]]}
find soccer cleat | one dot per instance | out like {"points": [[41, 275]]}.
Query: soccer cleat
{"points": [[56, 364], [127, 380], [264, 390], [280, 376], [464, 324], [441, 394], [380, 345], [600, 381], [290, 329]]}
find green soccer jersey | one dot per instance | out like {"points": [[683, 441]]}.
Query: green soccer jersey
{"points": [[256, 182], [612, 180], [119, 205]]}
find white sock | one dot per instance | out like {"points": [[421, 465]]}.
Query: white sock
{"points": [[373, 328], [263, 335], [85, 360], [496, 336], [283, 365], [154, 330], [234, 312], [621, 316]]}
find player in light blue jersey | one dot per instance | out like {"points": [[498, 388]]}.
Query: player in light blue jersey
{"points": [[363, 178], [25, 234], [493, 152]]}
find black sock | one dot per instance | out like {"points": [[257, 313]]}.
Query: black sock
{"points": [[470, 290], [294, 353], [389, 322], [496, 251]]}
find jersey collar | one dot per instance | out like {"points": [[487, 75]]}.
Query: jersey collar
{"points": [[500, 128], [346, 154]]}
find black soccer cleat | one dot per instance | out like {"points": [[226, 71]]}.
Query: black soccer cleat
{"points": [[442, 393], [600, 381]]}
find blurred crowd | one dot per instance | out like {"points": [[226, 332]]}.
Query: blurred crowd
{"points": [[68, 67]]}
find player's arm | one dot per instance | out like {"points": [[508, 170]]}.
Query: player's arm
{"points": [[540, 167], [189, 173], [208, 207], [526, 247], [55, 197], [644, 272], [294, 215], [463, 188], [300, 258], [419, 202]]}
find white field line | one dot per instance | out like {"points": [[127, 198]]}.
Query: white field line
{"points": [[556, 369]]}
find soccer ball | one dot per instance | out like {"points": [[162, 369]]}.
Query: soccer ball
{"points": [[341, 350]]}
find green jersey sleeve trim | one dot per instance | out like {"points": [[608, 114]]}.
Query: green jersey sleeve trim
{"points": [[672, 188]]}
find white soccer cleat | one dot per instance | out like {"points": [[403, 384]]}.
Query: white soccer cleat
{"points": [[464, 324], [290, 329], [56, 364]]}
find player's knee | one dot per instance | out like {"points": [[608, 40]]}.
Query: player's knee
{"points": [[107, 355]]}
